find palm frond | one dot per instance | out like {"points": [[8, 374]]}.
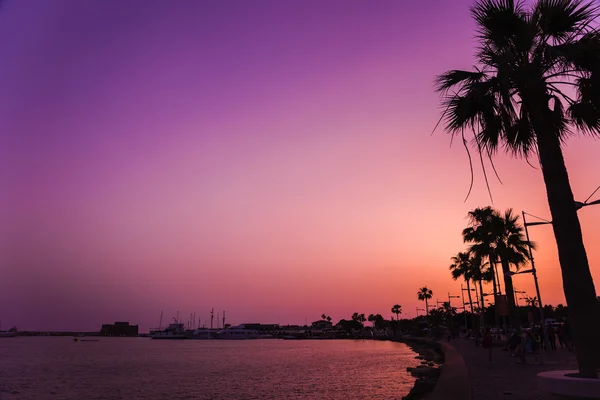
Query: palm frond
{"points": [[453, 78], [582, 54], [561, 19], [498, 20], [520, 136], [586, 117]]}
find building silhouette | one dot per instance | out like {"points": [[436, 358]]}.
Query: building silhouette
{"points": [[119, 329]]}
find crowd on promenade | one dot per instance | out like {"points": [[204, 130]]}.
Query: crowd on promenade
{"points": [[521, 343], [507, 367]]}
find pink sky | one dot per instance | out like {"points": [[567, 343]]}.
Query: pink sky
{"points": [[267, 158]]}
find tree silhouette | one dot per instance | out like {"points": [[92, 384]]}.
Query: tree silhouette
{"points": [[397, 309], [515, 99], [424, 294]]}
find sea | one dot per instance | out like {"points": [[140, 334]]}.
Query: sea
{"points": [[50, 368]]}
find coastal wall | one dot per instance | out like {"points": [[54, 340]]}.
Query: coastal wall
{"points": [[450, 381]]}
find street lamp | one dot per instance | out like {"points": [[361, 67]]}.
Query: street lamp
{"points": [[463, 296], [533, 271], [450, 307], [578, 206], [452, 297]]}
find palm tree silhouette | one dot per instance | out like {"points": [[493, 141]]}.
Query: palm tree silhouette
{"points": [[424, 294], [499, 237], [512, 249], [515, 99], [481, 273], [397, 309], [461, 267]]}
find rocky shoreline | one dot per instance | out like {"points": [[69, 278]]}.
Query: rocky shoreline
{"points": [[427, 374]]}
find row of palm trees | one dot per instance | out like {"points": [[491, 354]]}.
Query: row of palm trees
{"points": [[514, 99], [495, 243]]}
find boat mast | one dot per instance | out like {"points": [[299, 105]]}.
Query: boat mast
{"points": [[223, 319], [160, 322], [217, 320], [212, 315]]}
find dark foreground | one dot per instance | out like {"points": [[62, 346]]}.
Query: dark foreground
{"points": [[505, 378]]}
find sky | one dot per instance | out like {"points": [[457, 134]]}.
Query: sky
{"points": [[271, 159]]}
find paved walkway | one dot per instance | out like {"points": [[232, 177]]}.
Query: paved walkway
{"points": [[505, 378]]}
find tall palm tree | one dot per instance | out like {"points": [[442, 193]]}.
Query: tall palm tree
{"points": [[512, 249], [515, 99], [500, 238], [461, 268], [397, 309], [480, 273], [424, 294], [482, 233]]}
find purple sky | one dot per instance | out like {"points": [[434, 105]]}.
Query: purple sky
{"points": [[270, 158]]}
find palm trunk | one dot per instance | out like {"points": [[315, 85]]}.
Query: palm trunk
{"points": [[578, 284], [481, 295], [510, 293], [494, 287]]}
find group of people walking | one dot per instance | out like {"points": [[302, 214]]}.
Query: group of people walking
{"points": [[532, 340], [529, 341]]}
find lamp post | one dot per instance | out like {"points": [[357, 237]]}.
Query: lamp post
{"points": [[517, 304], [533, 272], [578, 206], [470, 302], [450, 307]]}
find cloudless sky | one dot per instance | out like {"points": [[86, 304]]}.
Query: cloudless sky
{"points": [[273, 159]]}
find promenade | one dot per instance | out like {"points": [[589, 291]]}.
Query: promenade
{"points": [[505, 378]]}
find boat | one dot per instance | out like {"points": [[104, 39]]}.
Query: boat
{"points": [[237, 333], [201, 334], [173, 331], [12, 332]]}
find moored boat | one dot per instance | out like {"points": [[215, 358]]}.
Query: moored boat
{"points": [[201, 334], [173, 331], [237, 333], [12, 332]]}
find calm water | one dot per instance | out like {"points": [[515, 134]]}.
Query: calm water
{"points": [[141, 368]]}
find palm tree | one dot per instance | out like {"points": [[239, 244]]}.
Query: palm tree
{"points": [[500, 237], [424, 294], [461, 268], [482, 233], [480, 274], [514, 99], [397, 309], [512, 249], [328, 318]]}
